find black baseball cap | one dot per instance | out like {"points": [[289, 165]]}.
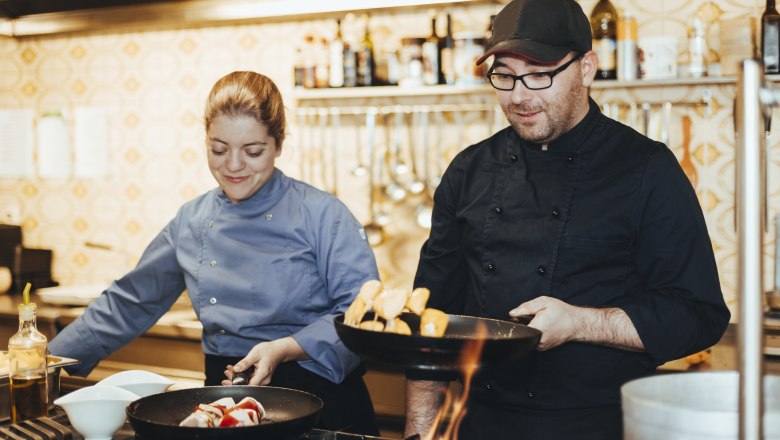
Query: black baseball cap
{"points": [[541, 31]]}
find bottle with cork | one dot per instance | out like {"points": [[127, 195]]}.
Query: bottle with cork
{"points": [[27, 350]]}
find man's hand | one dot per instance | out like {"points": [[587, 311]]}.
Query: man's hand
{"points": [[560, 322], [265, 357]]}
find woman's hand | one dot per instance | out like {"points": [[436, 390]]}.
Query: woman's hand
{"points": [[265, 357]]}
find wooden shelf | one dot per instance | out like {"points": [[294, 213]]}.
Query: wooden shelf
{"points": [[302, 95]]}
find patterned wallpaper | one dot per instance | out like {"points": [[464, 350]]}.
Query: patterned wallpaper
{"points": [[153, 85]]}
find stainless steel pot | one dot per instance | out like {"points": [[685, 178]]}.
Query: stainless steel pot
{"points": [[693, 406], [53, 384]]}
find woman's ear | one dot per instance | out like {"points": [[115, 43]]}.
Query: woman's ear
{"points": [[588, 66]]}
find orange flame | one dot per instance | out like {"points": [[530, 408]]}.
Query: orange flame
{"points": [[456, 408]]}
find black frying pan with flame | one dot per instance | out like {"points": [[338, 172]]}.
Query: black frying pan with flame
{"points": [[289, 413], [504, 341]]}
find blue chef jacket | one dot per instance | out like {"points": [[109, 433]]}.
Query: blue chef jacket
{"points": [[278, 264]]}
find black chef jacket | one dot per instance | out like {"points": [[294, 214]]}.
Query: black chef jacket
{"points": [[604, 217]]}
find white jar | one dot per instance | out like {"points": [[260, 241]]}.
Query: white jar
{"points": [[469, 47]]}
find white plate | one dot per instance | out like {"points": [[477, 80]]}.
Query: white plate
{"points": [[76, 295]]}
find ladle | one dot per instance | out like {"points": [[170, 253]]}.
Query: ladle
{"points": [[360, 169], [394, 190], [375, 233], [424, 210], [415, 185], [334, 148], [321, 147]]}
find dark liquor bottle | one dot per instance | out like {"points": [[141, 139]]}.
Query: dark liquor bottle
{"points": [[431, 54], [448, 55], [366, 75], [350, 65], [770, 38], [603, 24]]}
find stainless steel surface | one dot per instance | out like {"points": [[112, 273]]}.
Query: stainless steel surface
{"points": [[750, 167], [52, 383]]}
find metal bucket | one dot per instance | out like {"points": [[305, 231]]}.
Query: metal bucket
{"points": [[693, 406]]}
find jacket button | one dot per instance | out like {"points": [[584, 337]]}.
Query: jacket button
{"points": [[213, 300], [488, 387], [570, 158], [211, 223], [490, 267], [540, 269], [498, 210], [531, 395], [213, 263], [555, 212], [513, 158], [222, 331]]}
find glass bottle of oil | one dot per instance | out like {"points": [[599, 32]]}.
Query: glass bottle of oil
{"points": [[27, 363]]}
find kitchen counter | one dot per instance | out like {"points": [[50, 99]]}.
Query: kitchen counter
{"points": [[172, 348]]}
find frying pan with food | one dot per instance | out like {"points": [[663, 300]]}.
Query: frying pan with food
{"points": [[504, 341], [289, 413]]}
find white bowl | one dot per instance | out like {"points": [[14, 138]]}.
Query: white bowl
{"points": [[140, 382], [97, 412]]}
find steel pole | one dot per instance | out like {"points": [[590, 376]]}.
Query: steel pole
{"points": [[750, 169]]}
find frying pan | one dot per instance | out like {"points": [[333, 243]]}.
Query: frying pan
{"points": [[504, 341], [289, 413]]}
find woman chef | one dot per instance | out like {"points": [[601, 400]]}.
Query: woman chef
{"points": [[267, 261]]}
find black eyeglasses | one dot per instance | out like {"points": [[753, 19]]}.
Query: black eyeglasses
{"points": [[531, 81]]}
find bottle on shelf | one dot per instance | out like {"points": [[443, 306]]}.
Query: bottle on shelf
{"points": [[603, 24], [627, 49], [431, 52], [336, 59], [309, 77], [350, 65], [770, 38], [448, 56], [299, 67], [27, 366], [366, 75], [693, 61], [321, 68]]}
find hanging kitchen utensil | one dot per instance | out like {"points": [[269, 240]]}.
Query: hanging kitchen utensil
{"points": [[424, 210], [394, 189], [318, 160], [375, 233], [504, 341], [685, 162], [415, 183], [633, 116], [646, 118], [289, 413], [360, 168], [399, 167], [439, 154], [334, 150], [303, 125], [666, 121]]}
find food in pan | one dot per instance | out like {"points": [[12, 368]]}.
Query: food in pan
{"points": [[226, 412], [388, 305], [433, 322]]}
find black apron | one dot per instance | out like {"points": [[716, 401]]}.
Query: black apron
{"points": [[485, 421], [347, 406]]}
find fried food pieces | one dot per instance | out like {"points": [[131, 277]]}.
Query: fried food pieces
{"points": [[388, 305]]}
